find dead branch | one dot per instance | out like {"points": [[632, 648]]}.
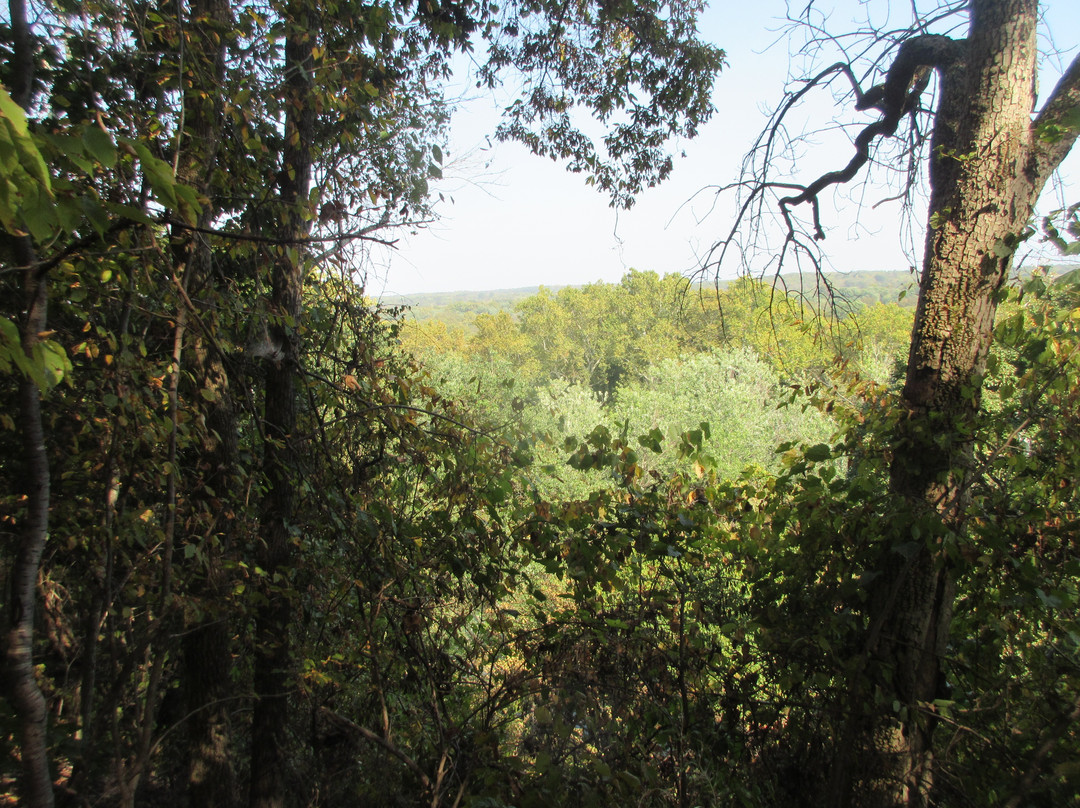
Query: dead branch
{"points": [[898, 95]]}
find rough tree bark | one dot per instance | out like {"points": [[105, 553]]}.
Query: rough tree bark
{"points": [[273, 620], [988, 168], [22, 687], [990, 159]]}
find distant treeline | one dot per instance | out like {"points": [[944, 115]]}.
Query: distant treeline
{"points": [[460, 309], [606, 335]]}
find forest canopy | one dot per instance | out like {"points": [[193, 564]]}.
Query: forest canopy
{"points": [[653, 542]]}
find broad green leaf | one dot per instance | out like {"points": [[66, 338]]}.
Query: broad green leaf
{"points": [[100, 145], [54, 361], [39, 213], [10, 347], [129, 212], [68, 213], [158, 173], [15, 119], [653, 440], [187, 203]]}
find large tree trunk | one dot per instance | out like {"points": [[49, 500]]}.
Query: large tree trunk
{"points": [[988, 169], [273, 620], [206, 646]]}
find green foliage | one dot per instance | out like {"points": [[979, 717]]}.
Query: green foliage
{"points": [[47, 364], [719, 411], [26, 191], [1069, 219], [736, 393], [558, 562], [458, 310], [606, 335], [34, 205], [161, 183], [1018, 612], [813, 556], [606, 61], [603, 335], [720, 623]]}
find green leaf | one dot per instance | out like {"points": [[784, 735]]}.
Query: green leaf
{"points": [[15, 118], [129, 212], [652, 441], [158, 173], [39, 214], [68, 213], [100, 145], [10, 345], [95, 213], [54, 360], [1070, 119], [187, 203]]}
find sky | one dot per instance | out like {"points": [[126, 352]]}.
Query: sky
{"points": [[512, 220]]}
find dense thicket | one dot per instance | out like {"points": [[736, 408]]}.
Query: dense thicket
{"points": [[628, 544], [186, 196]]}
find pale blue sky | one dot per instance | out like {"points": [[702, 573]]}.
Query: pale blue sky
{"points": [[518, 220]]}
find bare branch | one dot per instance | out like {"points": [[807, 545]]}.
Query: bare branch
{"points": [[374, 737], [898, 95], [359, 235]]}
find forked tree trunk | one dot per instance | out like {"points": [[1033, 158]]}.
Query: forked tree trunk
{"points": [[989, 166]]}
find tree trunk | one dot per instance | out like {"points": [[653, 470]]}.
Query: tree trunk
{"points": [[22, 688], [988, 168], [272, 623], [205, 649]]}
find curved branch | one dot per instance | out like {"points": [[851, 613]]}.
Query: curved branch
{"points": [[1061, 111], [899, 94], [356, 729]]}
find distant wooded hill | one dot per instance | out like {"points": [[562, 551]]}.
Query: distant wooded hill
{"points": [[460, 309]]}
